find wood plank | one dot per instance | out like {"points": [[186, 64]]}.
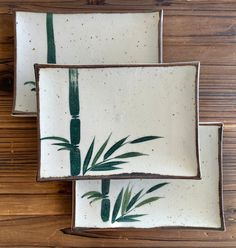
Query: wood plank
{"points": [[193, 30], [32, 229], [39, 204], [6, 31], [207, 54], [168, 4], [177, 5], [200, 26], [34, 188]]}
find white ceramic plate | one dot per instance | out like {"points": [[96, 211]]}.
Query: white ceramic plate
{"points": [[118, 121], [84, 38], [180, 203]]}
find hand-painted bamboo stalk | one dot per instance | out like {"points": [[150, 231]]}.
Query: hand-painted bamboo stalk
{"points": [[105, 204], [51, 53], [75, 157]]}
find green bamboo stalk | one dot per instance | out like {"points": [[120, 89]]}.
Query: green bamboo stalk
{"points": [[75, 131], [51, 55], [75, 160], [74, 92], [75, 157], [105, 204]]}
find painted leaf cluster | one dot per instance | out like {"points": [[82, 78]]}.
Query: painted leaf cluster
{"points": [[64, 143], [94, 196], [107, 161], [125, 203], [101, 160]]}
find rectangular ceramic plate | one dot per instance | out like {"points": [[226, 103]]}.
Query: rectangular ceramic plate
{"points": [[118, 121], [157, 203], [80, 38]]}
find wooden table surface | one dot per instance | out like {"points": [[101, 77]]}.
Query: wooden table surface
{"points": [[31, 213]]}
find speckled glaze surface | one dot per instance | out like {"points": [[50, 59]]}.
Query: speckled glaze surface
{"points": [[132, 119], [182, 203], [89, 38]]}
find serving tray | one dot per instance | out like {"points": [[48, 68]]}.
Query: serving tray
{"points": [[156, 203], [118, 121], [80, 38]]}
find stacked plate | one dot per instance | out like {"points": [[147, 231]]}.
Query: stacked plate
{"points": [[119, 123]]}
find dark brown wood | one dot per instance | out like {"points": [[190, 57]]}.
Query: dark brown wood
{"points": [[136, 175], [200, 25]]}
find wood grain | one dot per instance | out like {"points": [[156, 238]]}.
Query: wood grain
{"points": [[31, 213]]}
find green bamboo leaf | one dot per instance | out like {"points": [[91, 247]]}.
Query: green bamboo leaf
{"points": [[129, 218], [65, 145], [104, 168], [112, 163], [126, 199], [98, 194], [134, 200], [144, 139], [88, 157], [115, 147], [30, 82], [100, 151], [51, 53], [155, 187], [117, 205], [95, 199], [55, 138], [65, 149], [148, 200], [89, 193], [74, 92], [130, 155]]}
